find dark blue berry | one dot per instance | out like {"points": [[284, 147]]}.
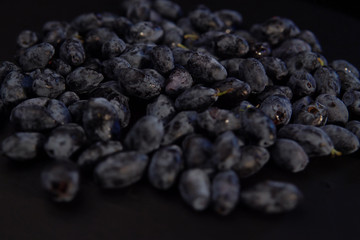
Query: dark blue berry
{"points": [[146, 135], [23, 146], [289, 155], [225, 192], [165, 166], [121, 169], [72, 52], [195, 188], [37, 56]]}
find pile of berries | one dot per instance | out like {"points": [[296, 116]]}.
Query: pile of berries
{"points": [[188, 100]]}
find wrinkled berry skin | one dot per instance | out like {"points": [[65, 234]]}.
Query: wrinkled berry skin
{"points": [[344, 140], [183, 123], [231, 45], [252, 159], [162, 107], [196, 98], [113, 48], [96, 152], [6, 67], [60, 67], [83, 80], [47, 83], [72, 52], [37, 56], [64, 141], [216, 121], [225, 192], [146, 134], [15, 88], [253, 72], [289, 155], [39, 114], [337, 111], [178, 81], [100, 120], [226, 151], [162, 58], [313, 140], [272, 197], [165, 166], [23, 146], [327, 81], [205, 68], [121, 169], [139, 84], [61, 181], [258, 128], [278, 108], [195, 188]]}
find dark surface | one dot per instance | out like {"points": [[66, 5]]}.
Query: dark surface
{"points": [[331, 208]]}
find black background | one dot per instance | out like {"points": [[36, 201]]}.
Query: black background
{"points": [[331, 186]]}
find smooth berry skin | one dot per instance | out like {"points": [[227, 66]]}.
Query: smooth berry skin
{"points": [[195, 188], [165, 166], [343, 139], [121, 169], [313, 140], [146, 135], [289, 155]]}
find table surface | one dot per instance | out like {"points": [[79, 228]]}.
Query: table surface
{"points": [[331, 207]]}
